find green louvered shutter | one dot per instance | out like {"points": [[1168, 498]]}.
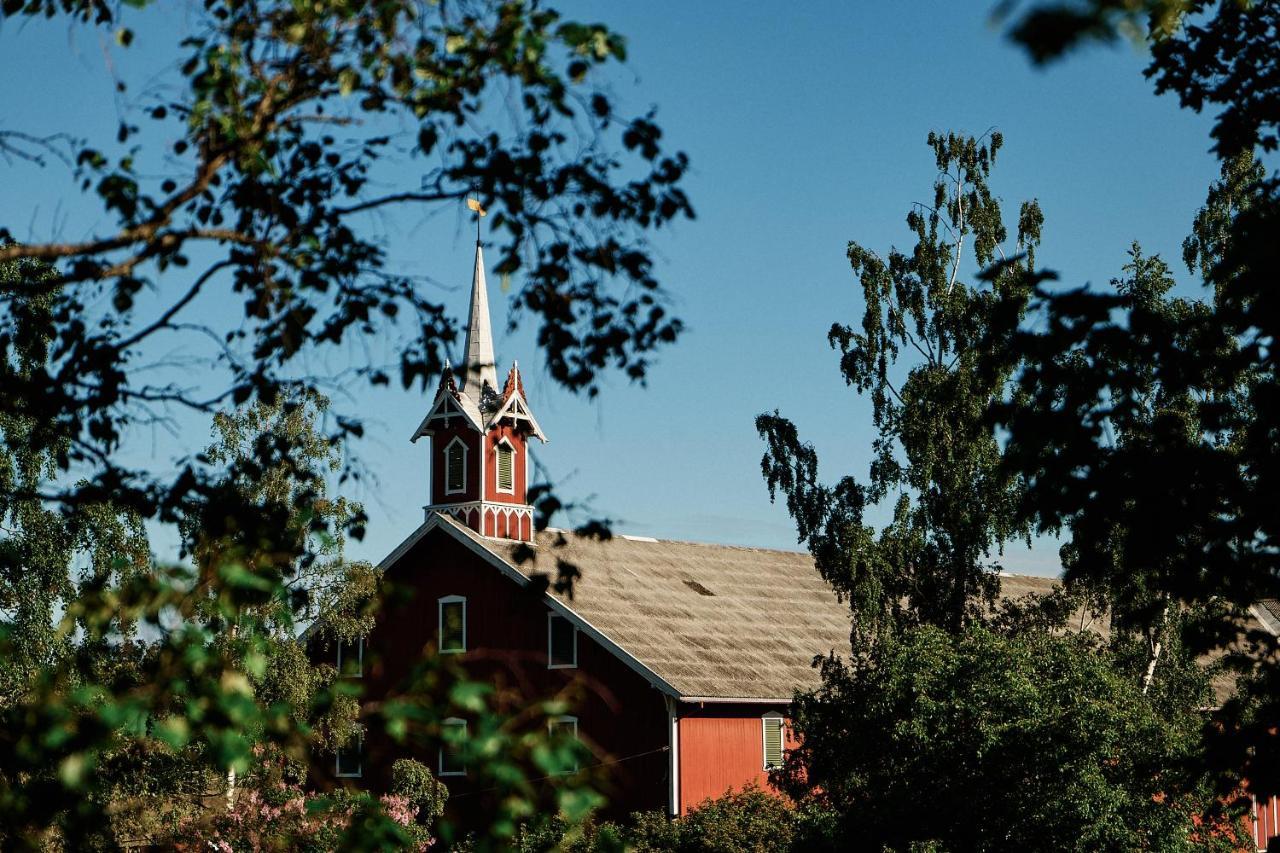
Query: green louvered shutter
{"points": [[506, 469], [772, 742], [457, 471]]}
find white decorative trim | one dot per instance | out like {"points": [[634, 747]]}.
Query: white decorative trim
{"points": [[444, 398], [451, 721], [551, 617], [448, 489], [765, 719], [440, 603], [337, 758], [484, 509], [359, 657], [518, 410], [497, 468], [673, 757]]}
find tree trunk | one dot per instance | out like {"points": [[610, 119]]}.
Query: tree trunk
{"points": [[1155, 651]]}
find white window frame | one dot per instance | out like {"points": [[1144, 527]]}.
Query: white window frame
{"points": [[337, 760], [502, 443], [450, 599], [551, 664], [561, 720], [765, 719], [360, 657], [451, 721], [448, 448]]}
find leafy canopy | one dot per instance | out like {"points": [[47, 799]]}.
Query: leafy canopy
{"points": [[922, 353]]}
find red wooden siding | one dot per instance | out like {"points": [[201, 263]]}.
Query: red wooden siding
{"points": [[491, 492], [442, 438], [1266, 821], [620, 716], [722, 750]]}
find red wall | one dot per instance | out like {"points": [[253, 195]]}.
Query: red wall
{"points": [[442, 438], [491, 492], [722, 750], [1266, 821], [621, 717]]}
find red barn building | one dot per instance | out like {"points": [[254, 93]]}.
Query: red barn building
{"points": [[687, 654]]}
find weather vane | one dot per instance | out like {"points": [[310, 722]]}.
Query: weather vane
{"points": [[474, 204]]}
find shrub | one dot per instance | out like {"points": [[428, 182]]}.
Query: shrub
{"points": [[412, 780], [750, 820]]}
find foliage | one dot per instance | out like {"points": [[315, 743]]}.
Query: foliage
{"points": [[1190, 503], [1208, 52], [257, 171], [412, 780], [745, 820], [989, 741], [280, 815], [925, 356]]}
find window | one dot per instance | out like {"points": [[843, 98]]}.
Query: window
{"points": [[453, 732], [563, 732], [349, 762], [562, 643], [772, 722], [453, 624], [455, 462], [506, 467], [351, 658]]}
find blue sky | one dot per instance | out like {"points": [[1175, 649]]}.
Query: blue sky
{"points": [[806, 127]]}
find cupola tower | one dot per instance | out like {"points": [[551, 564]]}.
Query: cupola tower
{"points": [[480, 432]]}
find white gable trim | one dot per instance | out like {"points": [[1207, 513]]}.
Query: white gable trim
{"points": [[517, 409], [468, 538], [459, 410]]}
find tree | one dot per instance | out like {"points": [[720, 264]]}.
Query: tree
{"points": [[919, 354], [1196, 496], [260, 178], [992, 740], [258, 175]]}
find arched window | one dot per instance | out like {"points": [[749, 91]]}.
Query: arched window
{"points": [[563, 731], [455, 463], [506, 467], [452, 759]]}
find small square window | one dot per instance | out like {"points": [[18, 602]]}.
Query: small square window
{"points": [[350, 760], [562, 642], [452, 734], [453, 624], [351, 658]]}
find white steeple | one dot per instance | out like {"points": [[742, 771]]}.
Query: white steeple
{"points": [[478, 361]]}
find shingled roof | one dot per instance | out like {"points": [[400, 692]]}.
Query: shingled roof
{"points": [[709, 621], [714, 621]]}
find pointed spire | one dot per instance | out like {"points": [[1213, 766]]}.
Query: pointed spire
{"points": [[478, 361]]}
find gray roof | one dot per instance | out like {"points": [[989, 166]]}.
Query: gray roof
{"points": [[713, 621], [706, 621], [720, 621]]}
